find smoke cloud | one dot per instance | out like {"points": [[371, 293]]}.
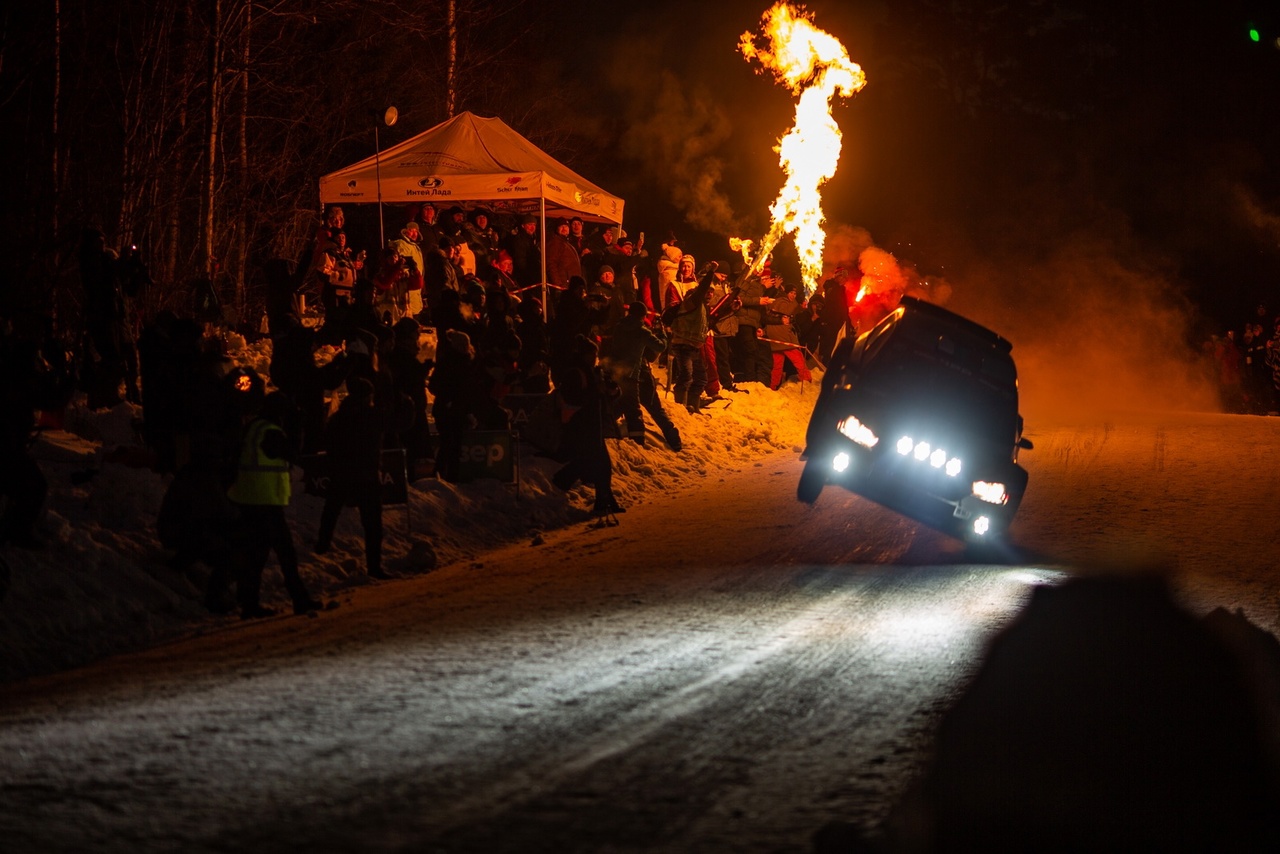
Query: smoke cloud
{"points": [[675, 135], [1265, 223], [1094, 332]]}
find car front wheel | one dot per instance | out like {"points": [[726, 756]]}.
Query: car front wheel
{"points": [[812, 479]]}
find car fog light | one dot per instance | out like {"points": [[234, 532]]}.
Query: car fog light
{"points": [[858, 432], [953, 466], [922, 450], [981, 525], [992, 493], [841, 462], [938, 458], [905, 444]]}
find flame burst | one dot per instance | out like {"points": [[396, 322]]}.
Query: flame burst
{"points": [[815, 66]]}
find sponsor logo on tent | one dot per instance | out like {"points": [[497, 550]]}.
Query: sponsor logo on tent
{"points": [[351, 185], [514, 179], [430, 183]]}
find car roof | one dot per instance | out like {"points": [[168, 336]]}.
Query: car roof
{"points": [[961, 324]]}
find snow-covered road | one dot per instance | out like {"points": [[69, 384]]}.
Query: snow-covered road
{"points": [[727, 670]]}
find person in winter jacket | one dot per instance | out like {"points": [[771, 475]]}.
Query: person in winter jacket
{"points": [[668, 265], [629, 345], [353, 448], [783, 340], [689, 331], [586, 397], [408, 249], [563, 262]]}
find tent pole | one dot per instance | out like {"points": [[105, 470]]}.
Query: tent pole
{"points": [[542, 210], [377, 171]]}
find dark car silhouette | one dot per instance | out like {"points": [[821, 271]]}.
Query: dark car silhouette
{"points": [[920, 414]]}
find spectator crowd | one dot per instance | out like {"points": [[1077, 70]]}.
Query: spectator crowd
{"points": [[608, 336], [1245, 364]]}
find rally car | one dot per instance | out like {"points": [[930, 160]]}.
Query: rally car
{"points": [[920, 414]]}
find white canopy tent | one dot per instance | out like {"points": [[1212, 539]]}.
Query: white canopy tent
{"points": [[473, 159]]}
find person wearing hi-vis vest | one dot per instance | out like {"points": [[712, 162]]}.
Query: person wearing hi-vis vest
{"points": [[261, 493]]}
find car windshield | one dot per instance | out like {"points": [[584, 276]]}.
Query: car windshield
{"points": [[927, 366]]}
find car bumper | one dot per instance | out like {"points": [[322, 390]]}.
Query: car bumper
{"points": [[923, 493]]}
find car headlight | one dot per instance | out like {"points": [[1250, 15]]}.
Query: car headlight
{"points": [[992, 493], [937, 457], [858, 432], [841, 462], [981, 525]]}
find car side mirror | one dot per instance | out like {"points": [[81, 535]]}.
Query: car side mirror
{"points": [[1025, 444]]}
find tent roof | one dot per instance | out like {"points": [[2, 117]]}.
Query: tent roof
{"points": [[469, 158]]}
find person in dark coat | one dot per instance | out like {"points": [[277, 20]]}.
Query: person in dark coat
{"points": [[455, 383], [197, 521], [353, 446], [573, 318], [21, 480], [586, 393], [409, 375], [535, 355], [526, 252], [833, 317], [628, 347], [295, 373]]}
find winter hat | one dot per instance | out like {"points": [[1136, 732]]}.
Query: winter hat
{"points": [[637, 309], [359, 389], [458, 340], [363, 342], [407, 328], [410, 226], [605, 268]]}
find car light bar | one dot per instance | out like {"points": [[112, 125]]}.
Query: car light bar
{"points": [[858, 432], [992, 493], [937, 457]]}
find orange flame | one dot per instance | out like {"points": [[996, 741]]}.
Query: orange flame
{"points": [[738, 244], [814, 65]]}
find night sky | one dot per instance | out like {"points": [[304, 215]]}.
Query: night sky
{"points": [[989, 137]]}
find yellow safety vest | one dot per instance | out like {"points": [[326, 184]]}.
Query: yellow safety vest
{"points": [[260, 480]]}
